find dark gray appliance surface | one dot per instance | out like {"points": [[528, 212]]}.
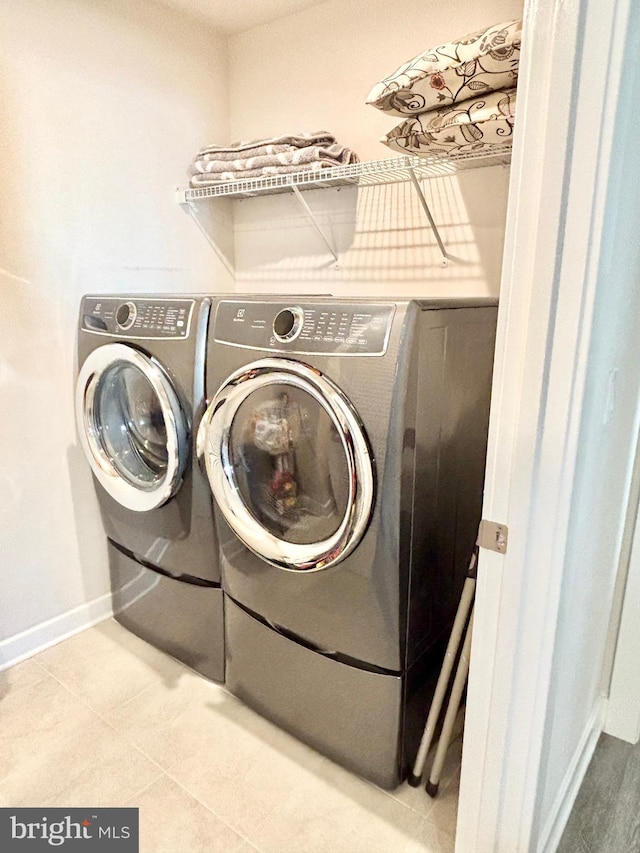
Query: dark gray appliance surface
{"points": [[424, 405], [368, 633], [336, 708], [368, 721], [185, 620], [178, 537]]}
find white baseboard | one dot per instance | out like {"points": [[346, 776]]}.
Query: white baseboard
{"points": [[28, 643], [561, 809]]}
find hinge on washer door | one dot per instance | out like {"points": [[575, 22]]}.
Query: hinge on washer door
{"points": [[493, 536]]}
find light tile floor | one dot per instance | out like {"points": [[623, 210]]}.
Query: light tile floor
{"points": [[104, 719]]}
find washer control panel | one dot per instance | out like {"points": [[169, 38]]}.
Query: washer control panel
{"points": [[137, 318], [330, 328]]}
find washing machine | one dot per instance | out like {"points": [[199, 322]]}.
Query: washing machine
{"points": [[139, 397], [345, 447]]}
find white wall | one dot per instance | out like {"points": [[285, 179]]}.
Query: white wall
{"points": [[313, 71], [103, 106]]}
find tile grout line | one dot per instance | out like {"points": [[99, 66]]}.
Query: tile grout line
{"points": [[86, 702], [238, 832], [425, 822], [100, 716]]}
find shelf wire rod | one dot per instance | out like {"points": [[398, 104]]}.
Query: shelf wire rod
{"points": [[425, 206], [315, 224], [192, 209]]}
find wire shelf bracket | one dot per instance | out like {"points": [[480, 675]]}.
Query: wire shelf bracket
{"points": [[191, 209], [330, 246], [428, 214]]}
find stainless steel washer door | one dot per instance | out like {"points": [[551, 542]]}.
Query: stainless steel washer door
{"points": [[132, 427], [289, 464]]}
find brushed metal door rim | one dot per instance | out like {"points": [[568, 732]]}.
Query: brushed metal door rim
{"points": [[213, 447], [125, 493]]}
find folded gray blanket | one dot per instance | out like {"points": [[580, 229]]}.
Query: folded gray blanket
{"points": [[274, 145], [311, 158], [338, 154], [203, 180]]}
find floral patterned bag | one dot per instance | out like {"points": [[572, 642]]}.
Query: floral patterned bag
{"points": [[472, 125], [466, 68]]}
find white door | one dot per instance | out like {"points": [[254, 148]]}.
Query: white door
{"points": [[519, 777]]}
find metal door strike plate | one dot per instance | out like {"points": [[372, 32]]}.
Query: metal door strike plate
{"points": [[493, 536]]}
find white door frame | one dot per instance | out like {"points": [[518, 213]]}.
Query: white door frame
{"points": [[567, 97], [623, 708]]}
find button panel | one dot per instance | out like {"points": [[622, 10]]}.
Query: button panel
{"points": [[145, 318], [336, 328]]}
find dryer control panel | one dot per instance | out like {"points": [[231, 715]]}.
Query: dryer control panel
{"points": [[329, 328], [135, 317]]}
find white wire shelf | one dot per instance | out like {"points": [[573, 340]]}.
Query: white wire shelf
{"points": [[368, 173]]}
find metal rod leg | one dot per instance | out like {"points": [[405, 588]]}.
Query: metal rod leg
{"points": [[466, 601], [452, 710]]}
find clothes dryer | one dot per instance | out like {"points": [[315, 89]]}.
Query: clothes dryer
{"points": [[345, 446], [139, 397]]}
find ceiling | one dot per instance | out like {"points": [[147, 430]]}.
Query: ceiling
{"points": [[230, 17]]}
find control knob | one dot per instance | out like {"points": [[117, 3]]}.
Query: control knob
{"points": [[126, 315], [288, 323]]}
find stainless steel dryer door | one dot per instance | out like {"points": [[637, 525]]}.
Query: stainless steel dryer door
{"points": [[289, 464], [132, 427]]}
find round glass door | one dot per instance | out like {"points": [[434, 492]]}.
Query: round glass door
{"points": [[131, 426], [289, 464]]}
